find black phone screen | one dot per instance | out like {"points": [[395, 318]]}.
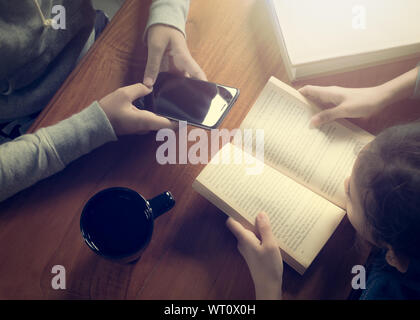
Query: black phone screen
{"points": [[197, 102]]}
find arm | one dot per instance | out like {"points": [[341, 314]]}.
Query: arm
{"points": [[32, 157], [362, 102], [402, 87], [416, 94], [262, 256], [165, 37], [169, 12]]}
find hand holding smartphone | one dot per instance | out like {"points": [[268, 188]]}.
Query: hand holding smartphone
{"points": [[200, 103]]}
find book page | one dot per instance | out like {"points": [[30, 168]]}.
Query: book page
{"points": [[319, 159], [301, 220]]}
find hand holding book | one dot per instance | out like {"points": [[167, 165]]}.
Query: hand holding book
{"points": [[343, 102], [358, 102], [262, 256]]}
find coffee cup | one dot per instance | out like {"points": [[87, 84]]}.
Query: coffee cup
{"points": [[117, 223]]}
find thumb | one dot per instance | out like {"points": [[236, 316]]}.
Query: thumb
{"points": [[154, 59], [322, 95], [264, 229], [326, 116], [135, 91], [149, 121], [243, 235]]}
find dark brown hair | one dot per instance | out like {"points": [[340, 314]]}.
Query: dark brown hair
{"points": [[389, 177]]}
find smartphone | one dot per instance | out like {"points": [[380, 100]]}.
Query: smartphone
{"points": [[199, 103]]}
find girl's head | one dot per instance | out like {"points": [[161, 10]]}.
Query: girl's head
{"points": [[383, 193]]}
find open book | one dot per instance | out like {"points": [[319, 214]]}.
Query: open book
{"points": [[301, 186], [330, 36]]}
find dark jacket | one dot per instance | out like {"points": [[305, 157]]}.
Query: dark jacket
{"points": [[387, 283], [35, 57]]}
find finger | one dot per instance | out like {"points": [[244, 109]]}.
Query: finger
{"points": [[264, 229], [322, 95], [150, 121], [327, 116], [136, 91], [154, 59], [165, 64], [142, 132], [242, 235], [174, 124], [193, 69]]}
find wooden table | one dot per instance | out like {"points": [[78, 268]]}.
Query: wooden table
{"points": [[192, 254]]}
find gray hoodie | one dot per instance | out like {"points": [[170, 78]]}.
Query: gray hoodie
{"points": [[35, 61]]}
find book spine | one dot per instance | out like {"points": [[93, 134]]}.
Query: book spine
{"points": [[291, 71]]}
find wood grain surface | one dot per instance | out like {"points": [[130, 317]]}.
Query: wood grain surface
{"points": [[192, 254]]}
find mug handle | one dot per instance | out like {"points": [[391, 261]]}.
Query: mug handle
{"points": [[161, 204]]}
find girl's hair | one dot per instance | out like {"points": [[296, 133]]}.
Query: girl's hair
{"points": [[389, 175]]}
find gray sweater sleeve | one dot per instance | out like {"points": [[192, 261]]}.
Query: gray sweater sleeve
{"points": [[170, 12], [33, 157]]}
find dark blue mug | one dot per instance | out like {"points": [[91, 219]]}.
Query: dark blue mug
{"points": [[117, 223]]}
